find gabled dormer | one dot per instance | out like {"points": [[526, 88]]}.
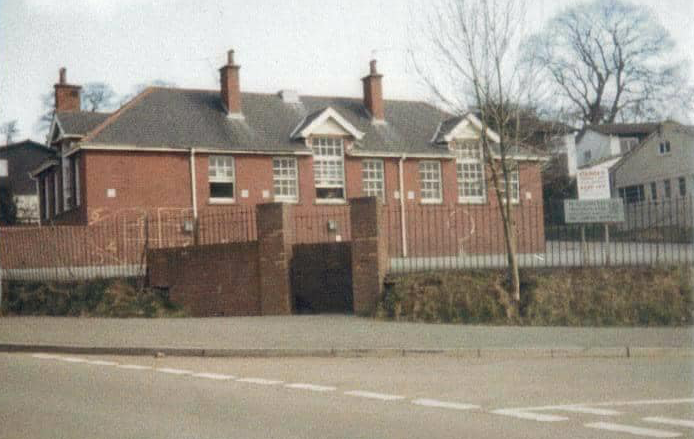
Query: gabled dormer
{"points": [[325, 122], [467, 127]]}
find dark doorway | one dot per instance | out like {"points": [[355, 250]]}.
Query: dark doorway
{"points": [[322, 278]]}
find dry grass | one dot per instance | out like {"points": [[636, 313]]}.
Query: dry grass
{"points": [[655, 296], [98, 298]]}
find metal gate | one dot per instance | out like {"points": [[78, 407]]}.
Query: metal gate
{"points": [[322, 278]]}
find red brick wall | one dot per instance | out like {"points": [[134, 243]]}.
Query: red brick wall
{"points": [[209, 280]]}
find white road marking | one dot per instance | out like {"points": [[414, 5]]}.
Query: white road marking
{"points": [[103, 363], [214, 376], [134, 367], [373, 395], [582, 409], [174, 371], [262, 381], [524, 414], [46, 356], [444, 404], [73, 359], [312, 387], [671, 421], [638, 431], [647, 402]]}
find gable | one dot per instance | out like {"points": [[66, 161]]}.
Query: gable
{"points": [[327, 119], [330, 127]]}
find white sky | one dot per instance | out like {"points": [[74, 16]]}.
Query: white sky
{"points": [[314, 46]]}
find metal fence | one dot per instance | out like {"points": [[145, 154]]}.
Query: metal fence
{"points": [[464, 236], [115, 246], [420, 237]]}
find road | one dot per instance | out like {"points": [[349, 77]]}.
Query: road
{"points": [[49, 396]]}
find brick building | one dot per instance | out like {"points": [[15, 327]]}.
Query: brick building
{"points": [[206, 150]]}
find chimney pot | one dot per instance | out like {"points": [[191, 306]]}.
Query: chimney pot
{"points": [[62, 75], [230, 87], [373, 94]]}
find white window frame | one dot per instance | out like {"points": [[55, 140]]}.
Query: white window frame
{"points": [[664, 148], [515, 185], [78, 191], [467, 156], [56, 191], [285, 177], [46, 199], [222, 175], [430, 189], [373, 178], [328, 155], [67, 183]]}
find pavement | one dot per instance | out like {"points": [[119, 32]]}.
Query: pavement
{"points": [[330, 336]]}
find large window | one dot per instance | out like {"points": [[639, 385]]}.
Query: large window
{"points": [[654, 191], [46, 197], [667, 192], [372, 178], [221, 177], [683, 186], [664, 147], [430, 181], [632, 194], [328, 168], [56, 192], [76, 174], [514, 184], [67, 183], [284, 179], [470, 168]]}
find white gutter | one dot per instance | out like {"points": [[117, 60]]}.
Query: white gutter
{"points": [[403, 219], [92, 147], [193, 187]]}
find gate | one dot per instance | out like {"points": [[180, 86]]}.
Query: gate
{"points": [[322, 278]]}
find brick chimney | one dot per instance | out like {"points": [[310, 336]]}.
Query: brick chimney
{"points": [[373, 94], [231, 88], [67, 96]]}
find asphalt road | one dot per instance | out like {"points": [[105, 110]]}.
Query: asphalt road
{"points": [[429, 396]]}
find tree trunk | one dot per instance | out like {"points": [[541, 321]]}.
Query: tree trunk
{"points": [[511, 254]]}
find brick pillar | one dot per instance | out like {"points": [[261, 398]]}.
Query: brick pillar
{"points": [[369, 253], [275, 238]]}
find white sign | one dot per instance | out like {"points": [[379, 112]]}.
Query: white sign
{"points": [[593, 183], [3, 168], [594, 211]]}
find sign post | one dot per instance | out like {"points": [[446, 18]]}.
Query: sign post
{"points": [[594, 185]]}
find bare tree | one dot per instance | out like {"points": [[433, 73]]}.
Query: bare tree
{"points": [[471, 59], [611, 61], [9, 130], [97, 96], [48, 104]]}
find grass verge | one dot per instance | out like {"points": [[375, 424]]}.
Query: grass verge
{"points": [[653, 296], [96, 298]]}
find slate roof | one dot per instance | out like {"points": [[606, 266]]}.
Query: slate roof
{"points": [[184, 118], [80, 122], [625, 129], [22, 157], [639, 130], [181, 118]]}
